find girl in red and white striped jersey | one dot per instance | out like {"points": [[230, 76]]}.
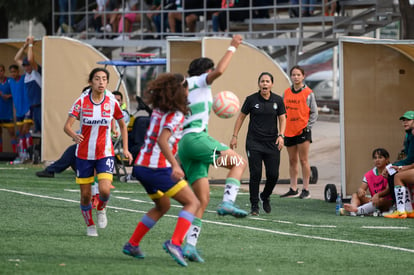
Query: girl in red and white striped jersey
{"points": [[95, 110]]}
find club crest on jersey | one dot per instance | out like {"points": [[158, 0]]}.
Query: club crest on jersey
{"points": [[106, 107], [274, 106]]}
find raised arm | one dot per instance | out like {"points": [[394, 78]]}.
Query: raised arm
{"points": [[30, 54], [20, 53], [225, 60]]}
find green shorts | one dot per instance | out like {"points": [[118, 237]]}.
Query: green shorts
{"points": [[197, 151]]}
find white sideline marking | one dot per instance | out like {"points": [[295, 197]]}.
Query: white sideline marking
{"points": [[316, 225], [13, 168], [72, 190], [233, 225], [384, 227]]}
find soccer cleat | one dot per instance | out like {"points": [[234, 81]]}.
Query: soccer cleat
{"points": [[133, 251], [102, 220], [265, 203], [254, 210], [91, 231], [191, 253], [228, 208], [45, 174], [305, 194], [290, 194], [410, 214], [397, 215], [175, 252]]}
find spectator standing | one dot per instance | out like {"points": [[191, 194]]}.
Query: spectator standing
{"points": [[32, 81], [21, 106], [6, 110], [264, 140], [302, 113]]}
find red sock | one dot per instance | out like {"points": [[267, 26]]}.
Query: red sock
{"points": [[180, 230], [101, 203], [138, 234], [29, 140], [14, 147], [22, 143], [87, 214]]}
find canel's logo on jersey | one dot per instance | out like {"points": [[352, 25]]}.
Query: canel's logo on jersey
{"points": [[102, 121]]}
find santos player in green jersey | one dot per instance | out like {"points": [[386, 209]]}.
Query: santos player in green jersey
{"points": [[197, 150]]}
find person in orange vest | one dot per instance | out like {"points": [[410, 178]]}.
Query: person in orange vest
{"points": [[301, 115]]}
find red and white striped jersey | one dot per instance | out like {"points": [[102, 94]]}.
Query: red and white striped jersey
{"points": [[95, 125], [150, 154]]}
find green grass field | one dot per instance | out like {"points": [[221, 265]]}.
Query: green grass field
{"points": [[43, 232]]}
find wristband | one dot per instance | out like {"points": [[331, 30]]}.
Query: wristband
{"points": [[281, 136], [234, 136], [30, 45], [232, 49]]}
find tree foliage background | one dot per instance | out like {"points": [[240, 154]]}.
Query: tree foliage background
{"points": [[18, 10]]}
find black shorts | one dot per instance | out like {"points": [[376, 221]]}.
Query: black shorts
{"points": [[306, 135]]}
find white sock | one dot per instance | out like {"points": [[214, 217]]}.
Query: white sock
{"points": [[408, 205], [400, 192], [192, 234], [366, 209], [231, 189]]}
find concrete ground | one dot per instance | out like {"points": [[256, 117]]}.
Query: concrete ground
{"points": [[324, 155]]}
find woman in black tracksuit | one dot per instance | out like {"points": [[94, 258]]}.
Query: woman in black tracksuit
{"points": [[264, 140]]}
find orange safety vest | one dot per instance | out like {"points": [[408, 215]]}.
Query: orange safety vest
{"points": [[297, 111]]}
